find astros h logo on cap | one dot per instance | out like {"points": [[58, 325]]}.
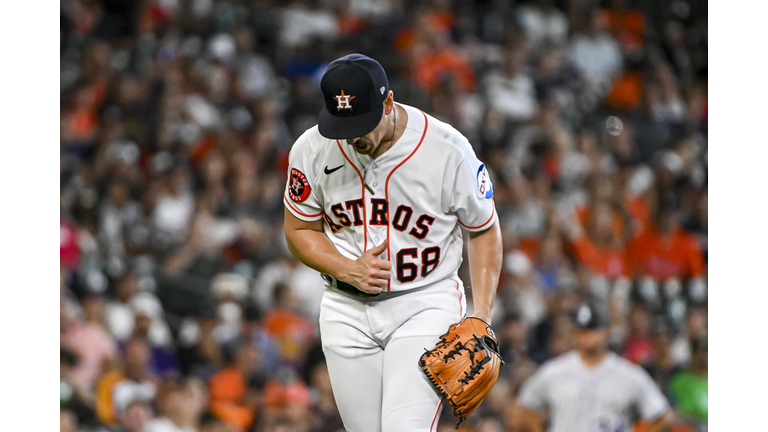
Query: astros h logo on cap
{"points": [[343, 101], [354, 89]]}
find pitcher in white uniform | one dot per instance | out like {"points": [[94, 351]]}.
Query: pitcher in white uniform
{"points": [[376, 197], [592, 389]]}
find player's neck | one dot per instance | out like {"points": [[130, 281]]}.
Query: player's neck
{"points": [[394, 132], [592, 360]]}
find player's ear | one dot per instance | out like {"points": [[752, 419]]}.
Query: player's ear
{"points": [[389, 103]]}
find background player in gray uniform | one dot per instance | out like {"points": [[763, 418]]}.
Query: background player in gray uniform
{"points": [[592, 389]]}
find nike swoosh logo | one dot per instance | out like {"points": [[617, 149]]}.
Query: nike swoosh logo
{"points": [[330, 171]]}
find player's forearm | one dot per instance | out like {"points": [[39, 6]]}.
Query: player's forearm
{"points": [[485, 257], [316, 251]]}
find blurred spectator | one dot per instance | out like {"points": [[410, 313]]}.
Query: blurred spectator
{"points": [[69, 247], [697, 222], [596, 54], [552, 336], [132, 406], [199, 352], [74, 399], [626, 25], [180, 404], [214, 424], [135, 312], [526, 289], [306, 284], [511, 90], [252, 331], [174, 206], [117, 214], [89, 341], [231, 399], [325, 414], [134, 380], [542, 23], [696, 326], [638, 347], [304, 21], [550, 260], [68, 421], [664, 250], [599, 248], [292, 331], [688, 388], [513, 341], [287, 404], [434, 57], [662, 366]]}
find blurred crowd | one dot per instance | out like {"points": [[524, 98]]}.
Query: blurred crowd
{"points": [[182, 308]]}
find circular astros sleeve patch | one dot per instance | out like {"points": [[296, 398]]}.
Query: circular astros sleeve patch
{"points": [[299, 186]]}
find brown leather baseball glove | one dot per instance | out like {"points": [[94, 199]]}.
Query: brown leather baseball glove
{"points": [[464, 365]]}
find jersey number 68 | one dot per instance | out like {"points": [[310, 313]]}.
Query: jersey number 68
{"points": [[408, 271]]}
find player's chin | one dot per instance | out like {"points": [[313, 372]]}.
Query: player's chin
{"points": [[362, 148]]}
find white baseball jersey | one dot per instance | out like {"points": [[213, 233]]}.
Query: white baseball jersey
{"points": [[609, 397], [415, 195]]}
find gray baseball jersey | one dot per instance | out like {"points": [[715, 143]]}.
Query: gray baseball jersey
{"points": [[608, 397]]}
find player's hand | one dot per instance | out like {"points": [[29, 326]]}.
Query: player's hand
{"points": [[369, 273]]}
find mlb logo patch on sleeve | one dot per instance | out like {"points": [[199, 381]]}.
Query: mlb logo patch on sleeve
{"points": [[484, 182], [299, 187]]}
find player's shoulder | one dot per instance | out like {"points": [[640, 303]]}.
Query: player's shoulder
{"points": [[310, 141], [628, 368], [440, 134], [564, 363]]}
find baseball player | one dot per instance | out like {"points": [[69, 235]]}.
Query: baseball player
{"points": [[375, 198], [592, 389]]}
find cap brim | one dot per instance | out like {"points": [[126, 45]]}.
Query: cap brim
{"points": [[335, 127]]}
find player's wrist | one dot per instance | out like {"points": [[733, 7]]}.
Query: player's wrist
{"points": [[483, 315], [345, 270]]}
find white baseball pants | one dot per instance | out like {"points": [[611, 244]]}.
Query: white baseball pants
{"points": [[372, 349]]}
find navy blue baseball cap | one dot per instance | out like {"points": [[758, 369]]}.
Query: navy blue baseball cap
{"points": [[354, 88], [590, 315]]}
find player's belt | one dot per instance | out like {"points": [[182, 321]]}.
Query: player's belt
{"points": [[343, 286]]}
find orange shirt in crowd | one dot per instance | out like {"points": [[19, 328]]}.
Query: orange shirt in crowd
{"points": [[583, 214], [277, 395], [431, 69], [639, 212], [530, 246], [661, 258], [627, 26], [227, 389], [405, 40], [105, 410], [610, 262], [293, 332], [626, 90]]}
